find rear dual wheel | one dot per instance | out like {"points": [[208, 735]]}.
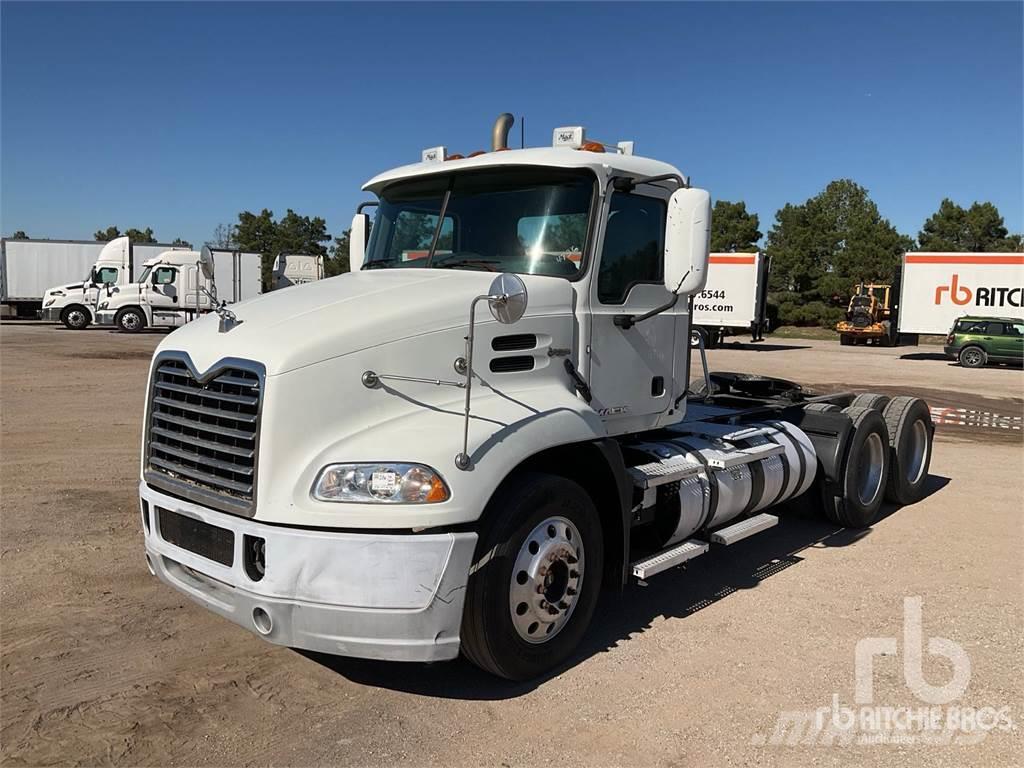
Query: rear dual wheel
{"points": [[536, 577], [855, 498]]}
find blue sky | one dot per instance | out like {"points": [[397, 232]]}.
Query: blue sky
{"points": [[178, 116]]}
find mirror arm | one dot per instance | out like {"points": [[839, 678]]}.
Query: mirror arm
{"points": [[625, 322], [367, 204], [462, 460]]}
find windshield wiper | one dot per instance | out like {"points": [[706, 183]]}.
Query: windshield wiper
{"points": [[440, 221]]}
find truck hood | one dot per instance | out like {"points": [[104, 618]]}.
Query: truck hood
{"points": [[306, 324]]}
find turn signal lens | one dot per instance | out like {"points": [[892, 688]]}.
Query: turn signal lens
{"points": [[380, 484]]}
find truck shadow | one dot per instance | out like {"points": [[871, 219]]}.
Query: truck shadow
{"points": [[675, 594], [759, 346]]}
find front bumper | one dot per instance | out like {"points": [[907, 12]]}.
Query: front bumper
{"points": [[51, 314], [375, 596]]}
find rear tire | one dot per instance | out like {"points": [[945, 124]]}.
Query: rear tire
{"points": [[535, 578], [973, 357], [130, 320], [911, 431], [855, 499], [75, 317], [870, 400]]}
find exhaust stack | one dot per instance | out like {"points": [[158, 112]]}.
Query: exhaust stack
{"points": [[499, 134]]}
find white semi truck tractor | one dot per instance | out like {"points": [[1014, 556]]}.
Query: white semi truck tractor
{"points": [[457, 451]]}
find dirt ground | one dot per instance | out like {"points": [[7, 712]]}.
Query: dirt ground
{"points": [[100, 663]]}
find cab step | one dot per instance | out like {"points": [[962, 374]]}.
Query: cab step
{"points": [[741, 530], [669, 558]]}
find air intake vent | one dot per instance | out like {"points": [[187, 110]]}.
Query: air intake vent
{"points": [[514, 342], [202, 436], [512, 364]]}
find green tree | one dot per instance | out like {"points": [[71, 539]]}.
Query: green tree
{"points": [[19, 235], [135, 235], [141, 235], [179, 241], [110, 233], [338, 262], [953, 228], [823, 247], [733, 229], [223, 237], [292, 234]]}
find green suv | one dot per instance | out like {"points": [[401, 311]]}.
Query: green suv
{"points": [[975, 341]]}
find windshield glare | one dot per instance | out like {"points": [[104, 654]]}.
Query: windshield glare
{"points": [[531, 221]]}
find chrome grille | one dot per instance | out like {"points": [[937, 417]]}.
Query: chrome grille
{"points": [[203, 434]]}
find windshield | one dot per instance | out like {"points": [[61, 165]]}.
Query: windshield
{"points": [[145, 274], [527, 220]]}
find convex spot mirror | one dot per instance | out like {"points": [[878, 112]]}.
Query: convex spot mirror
{"points": [[507, 298], [206, 262], [687, 240]]}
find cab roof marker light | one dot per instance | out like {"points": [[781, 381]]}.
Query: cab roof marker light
{"points": [[434, 154], [569, 137]]}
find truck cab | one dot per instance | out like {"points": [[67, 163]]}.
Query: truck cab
{"points": [[75, 305], [454, 447], [170, 291]]}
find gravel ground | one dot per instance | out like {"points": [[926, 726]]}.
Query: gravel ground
{"points": [[99, 663]]}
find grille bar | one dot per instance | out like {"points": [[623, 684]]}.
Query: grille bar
{"points": [[247, 453], [203, 433]]}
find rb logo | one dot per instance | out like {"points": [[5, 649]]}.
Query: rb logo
{"points": [[960, 294]]}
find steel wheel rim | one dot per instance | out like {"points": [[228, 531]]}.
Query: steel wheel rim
{"points": [[972, 357], [869, 480], [546, 579], [130, 321], [918, 452]]}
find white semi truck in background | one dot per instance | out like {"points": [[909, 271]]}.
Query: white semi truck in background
{"points": [[117, 265], [173, 289], [34, 271], [296, 269], [456, 453], [734, 300], [937, 288]]}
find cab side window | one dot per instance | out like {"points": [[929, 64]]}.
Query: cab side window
{"points": [[995, 329], [634, 246], [164, 276], [107, 275]]}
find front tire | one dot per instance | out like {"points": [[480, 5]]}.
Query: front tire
{"points": [[535, 578], [75, 317], [130, 320], [973, 357]]}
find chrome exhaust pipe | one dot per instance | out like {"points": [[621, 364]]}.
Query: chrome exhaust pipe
{"points": [[499, 134]]}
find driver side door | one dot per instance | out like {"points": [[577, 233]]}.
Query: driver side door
{"points": [[631, 369], [164, 297]]}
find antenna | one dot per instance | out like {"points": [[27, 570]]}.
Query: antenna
{"points": [[522, 132]]}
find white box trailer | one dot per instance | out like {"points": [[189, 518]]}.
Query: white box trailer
{"points": [[28, 268], [735, 299], [238, 275], [938, 288]]}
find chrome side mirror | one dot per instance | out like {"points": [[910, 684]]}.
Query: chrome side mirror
{"points": [[507, 298]]}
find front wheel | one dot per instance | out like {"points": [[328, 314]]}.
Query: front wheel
{"points": [[130, 320], [75, 317], [536, 577]]}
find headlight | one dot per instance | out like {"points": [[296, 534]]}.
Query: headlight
{"points": [[103, 304], [380, 484], [49, 303]]}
